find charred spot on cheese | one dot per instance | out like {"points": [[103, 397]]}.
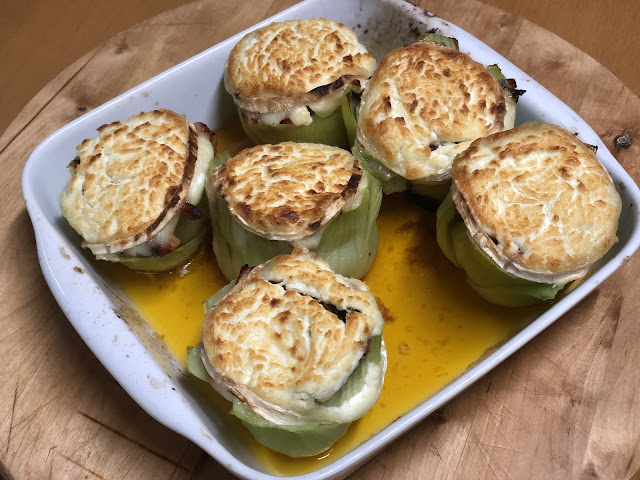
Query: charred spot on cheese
{"points": [[341, 313], [352, 185], [323, 90], [190, 211], [166, 248], [244, 272], [289, 215], [73, 164]]}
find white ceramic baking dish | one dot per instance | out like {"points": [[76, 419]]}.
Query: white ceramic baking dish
{"points": [[138, 360]]}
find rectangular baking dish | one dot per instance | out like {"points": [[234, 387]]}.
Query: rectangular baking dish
{"points": [[139, 360]]}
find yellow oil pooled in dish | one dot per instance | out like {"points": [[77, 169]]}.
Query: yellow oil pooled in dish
{"points": [[436, 326], [172, 302]]}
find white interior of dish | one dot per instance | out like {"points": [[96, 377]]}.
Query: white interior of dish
{"points": [[136, 358]]}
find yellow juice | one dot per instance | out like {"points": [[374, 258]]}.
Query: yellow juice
{"points": [[435, 328]]}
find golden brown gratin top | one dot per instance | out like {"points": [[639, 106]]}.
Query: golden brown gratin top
{"points": [[290, 333], [538, 201], [130, 180], [421, 100], [293, 63], [287, 191]]}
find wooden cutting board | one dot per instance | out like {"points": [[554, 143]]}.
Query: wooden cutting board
{"points": [[565, 406]]}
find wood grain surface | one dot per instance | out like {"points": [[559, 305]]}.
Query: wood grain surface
{"points": [[564, 406], [39, 38]]}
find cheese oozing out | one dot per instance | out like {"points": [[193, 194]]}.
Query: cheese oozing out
{"points": [[301, 114]]}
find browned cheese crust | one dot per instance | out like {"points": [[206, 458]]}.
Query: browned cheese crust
{"points": [[293, 63], [130, 181], [543, 196], [275, 334], [423, 96], [287, 191]]}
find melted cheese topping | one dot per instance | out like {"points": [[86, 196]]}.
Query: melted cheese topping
{"points": [[421, 97], [206, 153], [301, 114], [312, 241], [283, 64], [273, 343], [537, 201], [107, 200], [145, 249], [286, 191]]}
